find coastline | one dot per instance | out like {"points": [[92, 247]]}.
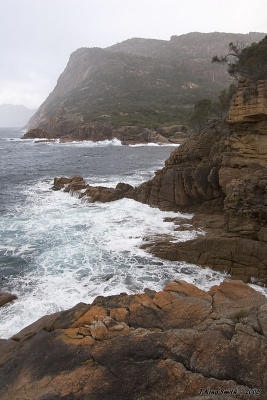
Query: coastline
{"points": [[128, 135], [181, 341]]}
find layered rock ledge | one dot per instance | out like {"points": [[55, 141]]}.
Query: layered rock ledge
{"points": [[174, 344]]}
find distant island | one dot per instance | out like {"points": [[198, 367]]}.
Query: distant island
{"points": [[136, 89], [12, 115]]}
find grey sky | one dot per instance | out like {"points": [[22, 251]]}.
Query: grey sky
{"points": [[37, 36]]}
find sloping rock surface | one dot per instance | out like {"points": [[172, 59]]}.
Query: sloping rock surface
{"points": [[174, 344]]}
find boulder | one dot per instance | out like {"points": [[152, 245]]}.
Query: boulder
{"points": [[59, 183], [6, 298], [92, 193]]}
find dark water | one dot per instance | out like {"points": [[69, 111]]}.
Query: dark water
{"points": [[22, 163], [56, 251]]}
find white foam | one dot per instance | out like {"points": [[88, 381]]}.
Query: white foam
{"points": [[87, 143], [90, 143], [152, 144], [75, 252]]}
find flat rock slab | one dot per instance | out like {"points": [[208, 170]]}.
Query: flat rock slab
{"points": [[179, 343]]}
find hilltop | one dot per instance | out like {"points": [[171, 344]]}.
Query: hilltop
{"points": [[146, 83]]}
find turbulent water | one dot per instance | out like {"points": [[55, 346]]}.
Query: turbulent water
{"points": [[56, 251]]}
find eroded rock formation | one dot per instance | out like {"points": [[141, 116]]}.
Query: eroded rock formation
{"points": [[166, 345]]}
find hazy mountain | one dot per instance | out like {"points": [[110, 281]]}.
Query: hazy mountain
{"points": [[14, 115], [143, 82]]}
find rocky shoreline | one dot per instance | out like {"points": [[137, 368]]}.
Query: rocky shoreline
{"points": [[221, 176], [242, 257], [180, 343], [128, 135]]}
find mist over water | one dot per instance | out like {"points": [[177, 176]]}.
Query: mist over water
{"points": [[56, 251]]}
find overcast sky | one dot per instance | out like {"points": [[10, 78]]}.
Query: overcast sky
{"points": [[37, 36]]}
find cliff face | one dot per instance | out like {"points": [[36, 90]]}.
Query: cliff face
{"points": [[243, 172], [222, 170], [139, 82], [190, 177], [250, 102], [180, 343]]}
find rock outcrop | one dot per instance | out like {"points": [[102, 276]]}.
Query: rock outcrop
{"points": [[180, 343], [92, 194], [6, 298], [190, 177]]}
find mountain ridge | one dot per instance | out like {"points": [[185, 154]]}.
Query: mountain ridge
{"points": [[147, 83]]}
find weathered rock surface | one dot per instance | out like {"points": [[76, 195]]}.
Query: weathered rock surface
{"points": [[166, 345], [59, 183], [6, 298], [250, 101], [244, 259], [190, 177]]}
